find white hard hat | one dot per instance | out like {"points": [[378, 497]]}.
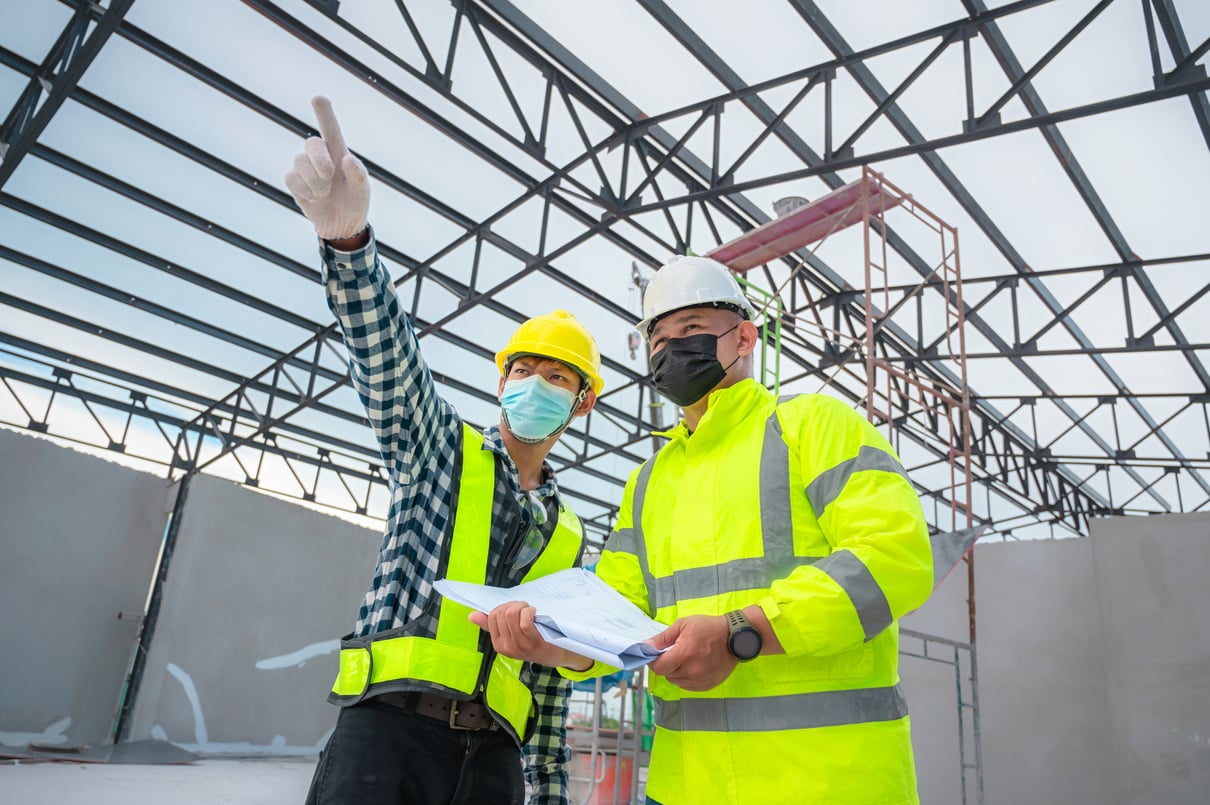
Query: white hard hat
{"points": [[691, 282]]}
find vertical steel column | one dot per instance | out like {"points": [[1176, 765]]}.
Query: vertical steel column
{"points": [[121, 727]]}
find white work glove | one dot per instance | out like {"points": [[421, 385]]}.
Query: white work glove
{"points": [[330, 184]]}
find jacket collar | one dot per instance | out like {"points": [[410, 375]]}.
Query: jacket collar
{"points": [[725, 408]]}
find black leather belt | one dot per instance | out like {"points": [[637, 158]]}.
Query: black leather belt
{"points": [[459, 715]]}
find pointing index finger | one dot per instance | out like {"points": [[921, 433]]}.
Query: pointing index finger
{"points": [[329, 128]]}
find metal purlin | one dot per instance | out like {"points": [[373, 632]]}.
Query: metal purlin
{"points": [[736, 205]]}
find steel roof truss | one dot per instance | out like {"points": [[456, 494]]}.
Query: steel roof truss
{"points": [[69, 57]]}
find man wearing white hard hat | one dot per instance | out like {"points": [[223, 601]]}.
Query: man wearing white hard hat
{"points": [[429, 713], [782, 541]]}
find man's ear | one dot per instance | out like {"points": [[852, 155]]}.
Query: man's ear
{"points": [[590, 399], [500, 388], [749, 337]]}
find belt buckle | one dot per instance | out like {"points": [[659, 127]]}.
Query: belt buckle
{"points": [[454, 712]]}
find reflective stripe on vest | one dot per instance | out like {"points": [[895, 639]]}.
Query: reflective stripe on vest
{"points": [[452, 662], [796, 711], [777, 524], [752, 573]]}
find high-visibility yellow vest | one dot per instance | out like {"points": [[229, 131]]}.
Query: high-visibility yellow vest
{"points": [[799, 506], [442, 652]]}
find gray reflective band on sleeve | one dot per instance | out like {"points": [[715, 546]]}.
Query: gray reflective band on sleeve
{"points": [[855, 579], [828, 486], [624, 540], [830, 708]]}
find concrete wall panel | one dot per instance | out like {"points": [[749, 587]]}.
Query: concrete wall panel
{"points": [[79, 538], [1042, 682], [258, 593], [1094, 654], [1155, 601]]}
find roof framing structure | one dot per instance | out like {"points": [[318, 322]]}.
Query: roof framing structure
{"points": [[589, 173]]}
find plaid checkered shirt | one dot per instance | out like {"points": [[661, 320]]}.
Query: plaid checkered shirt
{"points": [[418, 434]]}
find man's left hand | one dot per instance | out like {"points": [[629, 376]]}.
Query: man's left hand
{"points": [[697, 657]]}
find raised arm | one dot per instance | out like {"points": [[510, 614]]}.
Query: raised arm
{"points": [[331, 188], [330, 184]]}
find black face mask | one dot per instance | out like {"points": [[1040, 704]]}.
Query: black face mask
{"points": [[686, 369]]}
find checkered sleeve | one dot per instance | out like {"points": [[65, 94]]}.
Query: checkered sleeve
{"points": [[385, 363], [546, 754]]}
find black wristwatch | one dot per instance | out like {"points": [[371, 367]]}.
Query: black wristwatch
{"points": [[744, 641]]}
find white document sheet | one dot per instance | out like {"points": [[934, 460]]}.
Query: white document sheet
{"points": [[576, 611]]}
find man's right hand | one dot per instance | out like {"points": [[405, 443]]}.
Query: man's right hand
{"points": [[514, 635], [329, 184]]}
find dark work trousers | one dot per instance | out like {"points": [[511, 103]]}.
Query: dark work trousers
{"points": [[380, 755]]}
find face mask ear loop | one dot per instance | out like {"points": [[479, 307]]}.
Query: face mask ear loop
{"points": [[727, 368], [575, 406]]}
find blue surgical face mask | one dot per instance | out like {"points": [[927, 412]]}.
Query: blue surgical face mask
{"points": [[535, 409]]}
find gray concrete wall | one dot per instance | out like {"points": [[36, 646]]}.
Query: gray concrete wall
{"points": [[1154, 596], [1093, 669], [258, 593], [1094, 654], [1094, 665], [1043, 691], [79, 537]]}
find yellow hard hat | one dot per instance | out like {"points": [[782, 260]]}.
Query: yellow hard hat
{"points": [[560, 336]]}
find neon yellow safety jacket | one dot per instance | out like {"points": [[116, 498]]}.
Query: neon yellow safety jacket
{"points": [[441, 651], [799, 506]]}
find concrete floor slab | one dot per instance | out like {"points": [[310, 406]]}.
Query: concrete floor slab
{"points": [[210, 781]]}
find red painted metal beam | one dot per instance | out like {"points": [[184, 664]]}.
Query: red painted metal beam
{"points": [[801, 227]]}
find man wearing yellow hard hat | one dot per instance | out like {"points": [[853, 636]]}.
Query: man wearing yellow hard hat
{"points": [[429, 712]]}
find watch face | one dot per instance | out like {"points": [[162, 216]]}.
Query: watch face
{"points": [[745, 643]]}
